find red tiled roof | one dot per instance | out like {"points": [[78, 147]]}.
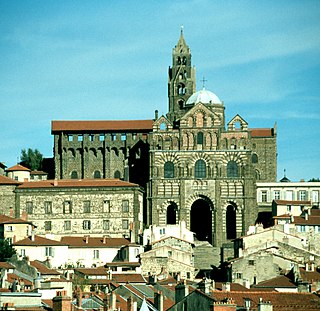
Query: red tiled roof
{"points": [[233, 286], [18, 167], [38, 173], [312, 220], [286, 202], [6, 265], [76, 183], [262, 132], [98, 126], [38, 241], [43, 269], [10, 220], [11, 277], [279, 300], [122, 264], [8, 181], [280, 281], [93, 242]]}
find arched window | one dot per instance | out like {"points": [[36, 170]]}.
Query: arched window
{"points": [[200, 169], [117, 174], [232, 169], [96, 174], [168, 170], [254, 158], [74, 175], [171, 214], [200, 138], [231, 220]]}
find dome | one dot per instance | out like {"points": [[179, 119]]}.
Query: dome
{"points": [[204, 97]]}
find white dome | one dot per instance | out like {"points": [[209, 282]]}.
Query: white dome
{"points": [[204, 97]]}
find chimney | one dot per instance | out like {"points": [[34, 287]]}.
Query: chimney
{"points": [[104, 239], [11, 212], [86, 239], [264, 305], [226, 287], [156, 114], [181, 291], [79, 297], [131, 304], [306, 215], [246, 283], [113, 301], [32, 237], [55, 182], [205, 285], [158, 301], [62, 302]]}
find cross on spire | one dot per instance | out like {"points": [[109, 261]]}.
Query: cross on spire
{"points": [[203, 82]]}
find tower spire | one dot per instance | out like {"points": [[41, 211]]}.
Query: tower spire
{"points": [[181, 30]]}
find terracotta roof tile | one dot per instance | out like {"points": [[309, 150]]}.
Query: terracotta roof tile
{"points": [[101, 126], [280, 281], [18, 167], [311, 221], [8, 181], [233, 286], [10, 220], [38, 241], [93, 241], [43, 269], [76, 183], [262, 132], [6, 265]]}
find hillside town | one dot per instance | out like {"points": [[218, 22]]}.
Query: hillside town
{"points": [[179, 212]]}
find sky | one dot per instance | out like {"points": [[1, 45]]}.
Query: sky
{"points": [[108, 60]]}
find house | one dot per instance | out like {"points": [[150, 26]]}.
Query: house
{"points": [[39, 248], [77, 207], [19, 172], [15, 229], [173, 254], [87, 251], [7, 195]]}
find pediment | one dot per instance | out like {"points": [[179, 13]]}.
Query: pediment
{"points": [[162, 124], [237, 123]]}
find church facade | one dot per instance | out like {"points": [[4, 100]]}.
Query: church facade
{"points": [[193, 165]]}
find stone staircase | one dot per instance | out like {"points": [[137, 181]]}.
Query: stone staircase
{"points": [[205, 255]]}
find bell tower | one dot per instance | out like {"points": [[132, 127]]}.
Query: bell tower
{"points": [[182, 79]]}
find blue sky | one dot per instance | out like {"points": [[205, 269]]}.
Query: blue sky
{"points": [[108, 60]]}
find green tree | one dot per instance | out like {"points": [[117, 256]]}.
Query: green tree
{"points": [[32, 158], [314, 179], [6, 250]]}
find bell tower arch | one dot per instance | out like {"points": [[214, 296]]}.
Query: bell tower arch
{"points": [[181, 80]]}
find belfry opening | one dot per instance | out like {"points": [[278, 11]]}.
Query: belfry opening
{"points": [[201, 220]]}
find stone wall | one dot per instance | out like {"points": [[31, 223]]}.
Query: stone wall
{"points": [[7, 199]]}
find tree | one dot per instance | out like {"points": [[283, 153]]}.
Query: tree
{"points": [[32, 159], [314, 179], [6, 250]]}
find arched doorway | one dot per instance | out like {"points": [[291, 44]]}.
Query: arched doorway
{"points": [[231, 221], [172, 214], [201, 220]]}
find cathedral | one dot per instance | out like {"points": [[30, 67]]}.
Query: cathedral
{"points": [[192, 165]]}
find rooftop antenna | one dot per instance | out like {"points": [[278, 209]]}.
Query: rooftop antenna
{"points": [[203, 82]]}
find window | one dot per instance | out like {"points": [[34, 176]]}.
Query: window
{"points": [[48, 207], [9, 228], [200, 169], [86, 207], [117, 174], [67, 225], [162, 231], [168, 170], [49, 251], [91, 137], [29, 207], [200, 138], [169, 253], [74, 175], [276, 194], [232, 169], [95, 254], [239, 275], [86, 225], [264, 196], [9, 240], [70, 137], [106, 206], [67, 208], [289, 208], [101, 137], [47, 225], [254, 158], [80, 137], [251, 262], [123, 137], [22, 252], [302, 195], [302, 228], [96, 174], [125, 224], [106, 224], [125, 206]]}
